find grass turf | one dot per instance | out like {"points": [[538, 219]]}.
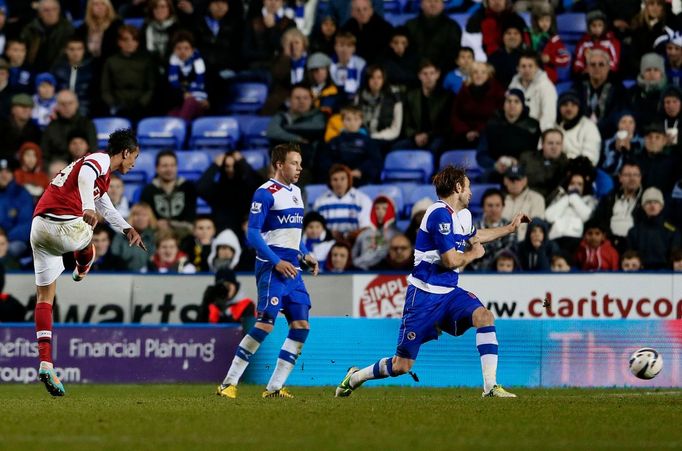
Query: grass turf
{"points": [[174, 417]]}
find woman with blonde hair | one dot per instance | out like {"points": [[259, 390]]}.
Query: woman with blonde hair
{"points": [[143, 220], [288, 68], [99, 30], [646, 27]]}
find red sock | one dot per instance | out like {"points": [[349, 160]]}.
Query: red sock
{"points": [[43, 320], [84, 256]]}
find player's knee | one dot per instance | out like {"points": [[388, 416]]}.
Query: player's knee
{"points": [[483, 317], [401, 366], [300, 324], [264, 326]]}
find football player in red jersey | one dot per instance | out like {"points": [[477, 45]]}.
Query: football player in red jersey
{"points": [[63, 221]]}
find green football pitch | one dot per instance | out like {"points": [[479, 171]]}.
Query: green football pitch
{"points": [[174, 417]]}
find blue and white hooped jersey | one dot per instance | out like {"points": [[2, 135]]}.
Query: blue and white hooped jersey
{"points": [[441, 229], [277, 211]]}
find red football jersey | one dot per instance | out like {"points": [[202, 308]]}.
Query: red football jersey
{"points": [[62, 197]]}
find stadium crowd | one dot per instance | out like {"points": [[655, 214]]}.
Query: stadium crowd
{"points": [[578, 127]]}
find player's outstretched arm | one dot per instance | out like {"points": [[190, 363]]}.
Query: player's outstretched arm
{"points": [[106, 208], [492, 234]]}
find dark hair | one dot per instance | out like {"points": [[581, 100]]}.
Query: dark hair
{"points": [[368, 74], [550, 131], [676, 255], [490, 192], [74, 38], [131, 30], [16, 41], [182, 36], [447, 179], [101, 228], [352, 109], [424, 63], [152, 4], [531, 54], [594, 224], [279, 153], [466, 49], [301, 85], [630, 162], [165, 153], [346, 36], [120, 140], [630, 253]]}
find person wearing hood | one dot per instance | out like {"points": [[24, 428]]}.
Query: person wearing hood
{"points": [[223, 302], [30, 173], [509, 133], [660, 165], [316, 236], [653, 237], [595, 252], [535, 252], [645, 96], [143, 220], [539, 92], [197, 246], [625, 144], [371, 246], [226, 251], [44, 99], [581, 136]]}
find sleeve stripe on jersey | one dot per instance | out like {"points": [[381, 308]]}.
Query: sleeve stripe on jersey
{"points": [[98, 167], [91, 166]]}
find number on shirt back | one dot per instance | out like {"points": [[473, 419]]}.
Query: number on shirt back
{"points": [[60, 178]]}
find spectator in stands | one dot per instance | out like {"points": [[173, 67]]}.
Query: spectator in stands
{"points": [[20, 73], [400, 256], [381, 107], [186, 78], [226, 251], [645, 96], [143, 220], [630, 261], [326, 95], [520, 198], [263, 34], [538, 90], [505, 59], [535, 252], [100, 29], [173, 199], [426, 112], [459, 76], [620, 13], [354, 149], [128, 77], [506, 261], [491, 20], [341, 10], [434, 35], [653, 237], [547, 43], [30, 172], [546, 168], [16, 210], [673, 60], [597, 36], [197, 246], [44, 100], [646, 27], [6, 260], [600, 92], [401, 60], [493, 204], [347, 68], [570, 207], [477, 101], [55, 166], [371, 245], [78, 146], [560, 263], [168, 258], [595, 252], [345, 209], [624, 145], [6, 91], [287, 69], [117, 195], [370, 29], [18, 128], [105, 260], [160, 24], [323, 36], [671, 113], [659, 164], [676, 259], [3, 28], [317, 238], [11, 309], [621, 208], [55, 138], [581, 136], [339, 258], [229, 173], [508, 133], [416, 215], [46, 35], [75, 71], [223, 302]]}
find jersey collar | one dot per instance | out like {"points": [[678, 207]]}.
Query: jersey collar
{"points": [[288, 188]]}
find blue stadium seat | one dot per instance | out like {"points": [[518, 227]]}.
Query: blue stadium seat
{"points": [[477, 191], [571, 26], [461, 19], [417, 193], [136, 22], [252, 130], [214, 132], [408, 165], [257, 158], [132, 191], [391, 191], [161, 132], [246, 98], [462, 158], [629, 83], [202, 207], [105, 126], [603, 184], [563, 87], [398, 19], [312, 192], [144, 170], [394, 6], [192, 164]]}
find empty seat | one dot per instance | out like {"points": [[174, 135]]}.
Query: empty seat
{"points": [[202, 207], [192, 164], [105, 126], [252, 130], [462, 158], [161, 132], [257, 158], [246, 97], [312, 192], [144, 170], [132, 191], [571, 26], [408, 165], [214, 132], [391, 191], [563, 87]]}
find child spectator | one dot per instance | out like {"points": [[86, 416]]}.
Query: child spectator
{"points": [[30, 173], [339, 258], [326, 95], [197, 246], [44, 100], [547, 43], [20, 73], [168, 257], [595, 252], [117, 195], [456, 78], [506, 261], [75, 71], [597, 36], [624, 145], [535, 252], [186, 71], [676, 258], [316, 237], [78, 145], [560, 263], [226, 251], [371, 246], [347, 68], [631, 261]]}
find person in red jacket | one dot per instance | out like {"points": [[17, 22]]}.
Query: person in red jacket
{"points": [[490, 22], [595, 252], [597, 36], [30, 173], [546, 41]]}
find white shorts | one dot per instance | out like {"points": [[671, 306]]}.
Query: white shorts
{"points": [[50, 240]]}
